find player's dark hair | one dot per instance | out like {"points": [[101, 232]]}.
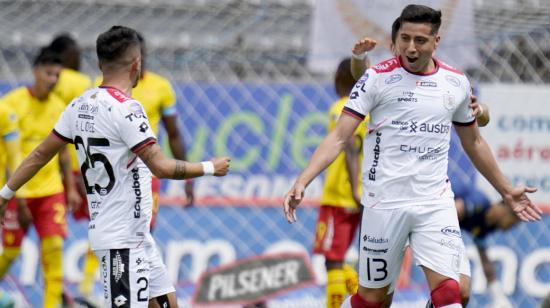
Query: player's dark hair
{"points": [[112, 45], [417, 13], [62, 42], [394, 28], [343, 80], [46, 56]]}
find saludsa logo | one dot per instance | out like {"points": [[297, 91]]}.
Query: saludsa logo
{"points": [[451, 231]]}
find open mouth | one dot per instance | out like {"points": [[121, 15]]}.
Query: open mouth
{"points": [[411, 60]]}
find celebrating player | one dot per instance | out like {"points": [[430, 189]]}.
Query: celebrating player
{"points": [[412, 100], [117, 151]]}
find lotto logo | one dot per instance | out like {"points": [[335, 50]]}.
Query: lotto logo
{"points": [[120, 300]]}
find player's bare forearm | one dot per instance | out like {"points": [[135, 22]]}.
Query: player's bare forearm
{"points": [[358, 67], [352, 164], [168, 168], [65, 165], [39, 157], [481, 155], [329, 148], [361, 47]]}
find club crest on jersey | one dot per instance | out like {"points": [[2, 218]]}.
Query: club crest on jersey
{"points": [[449, 101], [393, 79], [452, 80]]}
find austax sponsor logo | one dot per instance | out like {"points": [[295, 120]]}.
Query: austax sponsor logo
{"points": [[451, 231]]}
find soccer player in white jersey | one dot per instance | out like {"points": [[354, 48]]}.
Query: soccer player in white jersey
{"points": [[117, 152], [412, 100]]}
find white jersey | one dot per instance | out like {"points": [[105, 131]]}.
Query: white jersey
{"points": [[108, 128], [405, 153]]}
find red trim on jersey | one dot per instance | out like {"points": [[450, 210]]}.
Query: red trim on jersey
{"points": [[464, 124], [116, 93], [387, 66], [58, 135], [448, 67], [136, 148], [436, 68], [131, 162], [353, 113]]}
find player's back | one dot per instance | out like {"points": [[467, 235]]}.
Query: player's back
{"points": [[107, 128]]}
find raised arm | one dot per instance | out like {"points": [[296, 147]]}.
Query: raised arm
{"points": [[359, 60], [325, 153], [479, 152], [352, 150], [168, 168]]}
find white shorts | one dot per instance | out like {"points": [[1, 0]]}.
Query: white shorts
{"points": [[132, 276], [434, 237]]}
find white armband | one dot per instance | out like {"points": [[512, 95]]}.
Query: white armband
{"points": [[6, 192], [207, 167]]}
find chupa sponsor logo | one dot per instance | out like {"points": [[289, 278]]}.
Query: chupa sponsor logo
{"points": [[118, 267], [375, 251], [451, 231], [376, 152], [375, 240], [452, 80], [393, 79], [428, 153], [137, 192], [426, 84]]}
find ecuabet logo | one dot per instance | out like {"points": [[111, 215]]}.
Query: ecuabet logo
{"points": [[451, 231]]}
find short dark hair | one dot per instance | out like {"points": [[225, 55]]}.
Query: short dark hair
{"points": [[394, 28], [113, 44], [343, 80], [62, 42], [417, 13], [46, 56]]}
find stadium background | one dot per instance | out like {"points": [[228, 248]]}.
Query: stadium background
{"points": [[245, 87]]}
